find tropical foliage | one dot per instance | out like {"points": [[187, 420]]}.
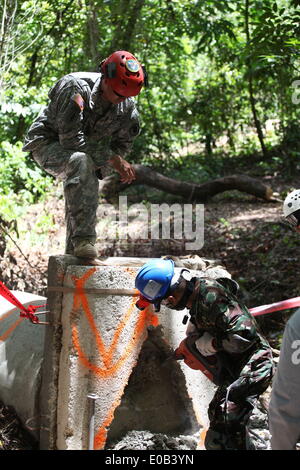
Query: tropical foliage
{"points": [[220, 71]]}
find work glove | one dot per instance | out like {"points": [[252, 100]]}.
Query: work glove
{"points": [[237, 390], [205, 344]]}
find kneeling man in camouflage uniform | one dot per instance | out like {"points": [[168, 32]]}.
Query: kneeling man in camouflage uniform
{"points": [[90, 121], [224, 335]]}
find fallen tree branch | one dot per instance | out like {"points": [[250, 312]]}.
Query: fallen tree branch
{"points": [[192, 192]]}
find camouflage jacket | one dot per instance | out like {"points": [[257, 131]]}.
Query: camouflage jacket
{"points": [[236, 332], [80, 119]]}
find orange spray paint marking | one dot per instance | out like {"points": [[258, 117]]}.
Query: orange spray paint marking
{"points": [[107, 355], [6, 315], [111, 365], [140, 326], [120, 328], [100, 438], [153, 319], [202, 438], [11, 328], [131, 272], [80, 299]]}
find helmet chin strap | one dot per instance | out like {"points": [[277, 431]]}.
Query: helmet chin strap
{"points": [[189, 289]]}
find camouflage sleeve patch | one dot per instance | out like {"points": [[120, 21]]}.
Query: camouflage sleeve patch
{"points": [[67, 109], [77, 98]]}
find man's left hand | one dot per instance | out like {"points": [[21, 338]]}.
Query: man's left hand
{"points": [[124, 168], [205, 344]]}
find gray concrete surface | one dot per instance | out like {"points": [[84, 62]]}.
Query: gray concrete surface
{"points": [[102, 339], [21, 356]]}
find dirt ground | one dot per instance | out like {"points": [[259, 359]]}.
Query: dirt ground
{"points": [[244, 234]]}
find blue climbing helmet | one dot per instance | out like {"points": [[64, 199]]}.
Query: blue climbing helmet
{"points": [[154, 279]]}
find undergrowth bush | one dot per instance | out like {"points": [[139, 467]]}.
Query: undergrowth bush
{"points": [[22, 182]]}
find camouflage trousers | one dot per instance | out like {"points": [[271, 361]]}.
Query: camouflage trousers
{"points": [[81, 186], [228, 422], [229, 415]]}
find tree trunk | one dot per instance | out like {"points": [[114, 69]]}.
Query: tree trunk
{"points": [[125, 25], [20, 129], [129, 32], [208, 145], [250, 85], [191, 192], [34, 79], [7, 22], [93, 34], [119, 21]]}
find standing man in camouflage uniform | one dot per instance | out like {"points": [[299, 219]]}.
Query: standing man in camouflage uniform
{"points": [[90, 121], [222, 328]]}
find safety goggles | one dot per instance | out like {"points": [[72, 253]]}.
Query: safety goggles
{"points": [[292, 221]]}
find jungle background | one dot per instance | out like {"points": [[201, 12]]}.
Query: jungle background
{"points": [[224, 99]]}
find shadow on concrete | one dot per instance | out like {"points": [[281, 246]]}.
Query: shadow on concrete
{"points": [[155, 398]]}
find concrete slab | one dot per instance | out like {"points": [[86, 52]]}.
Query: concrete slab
{"points": [[21, 356], [101, 339], [98, 343]]}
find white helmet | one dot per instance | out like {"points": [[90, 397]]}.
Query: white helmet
{"points": [[291, 203]]}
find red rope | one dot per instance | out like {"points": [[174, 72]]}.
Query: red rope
{"points": [[29, 312], [26, 312], [283, 305]]}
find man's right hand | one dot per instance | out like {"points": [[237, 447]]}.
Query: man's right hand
{"points": [[124, 168]]}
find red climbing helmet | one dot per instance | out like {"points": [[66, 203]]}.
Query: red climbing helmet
{"points": [[124, 74]]}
